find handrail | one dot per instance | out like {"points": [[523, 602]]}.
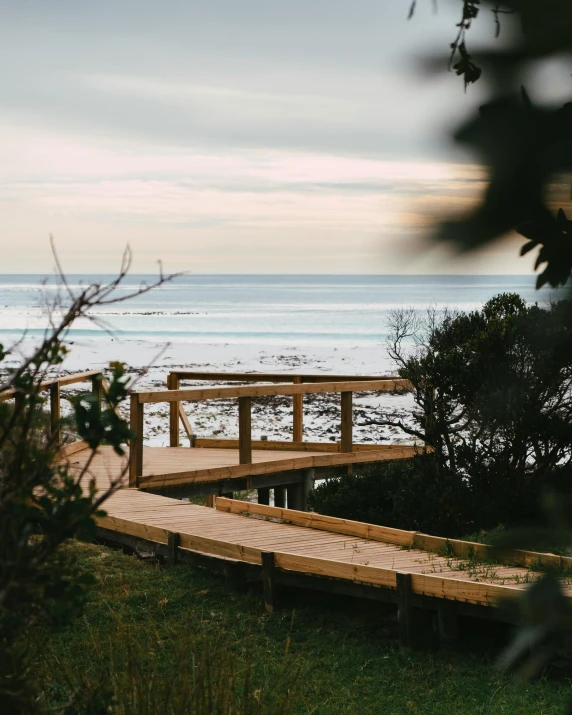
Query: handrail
{"points": [[272, 376], [54, 385], [177, 412], [61, 381], [175, 396], [221, 393]]}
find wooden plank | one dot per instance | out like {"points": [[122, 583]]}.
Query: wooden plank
{"points": [[273, 376], [73, 448], [278, 445], [297, 413], [173, 384], [322, 522], [73, 379], [335, 569], [186, 425], [55, 414], [347, 422], [245, 430], [220, 393], [136, 444], [198, 475], [61, 381], [268, 580]]}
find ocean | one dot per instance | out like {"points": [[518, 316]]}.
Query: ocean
{"points": [[321, 310]]}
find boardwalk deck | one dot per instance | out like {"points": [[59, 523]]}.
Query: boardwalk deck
{"points": [[314, 544]]}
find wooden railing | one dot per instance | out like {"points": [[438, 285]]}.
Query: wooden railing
{"points": [[177, 412], [54, 387], [244, 394]]}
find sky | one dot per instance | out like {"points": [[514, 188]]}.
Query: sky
{"points": [[233, 136]]}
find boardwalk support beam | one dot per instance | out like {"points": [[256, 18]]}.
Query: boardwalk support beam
{"points": [[404, 610], [245, 430], [280, 497], [264, 495], [268, 581], [172, 548], [447, 623]]}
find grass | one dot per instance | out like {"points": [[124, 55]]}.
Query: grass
{"points": [[178, 640]]}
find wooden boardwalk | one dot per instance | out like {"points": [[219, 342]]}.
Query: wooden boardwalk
{"points": [[284, 546], [308, 543]]}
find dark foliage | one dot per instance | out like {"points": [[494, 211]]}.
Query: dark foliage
{"points": [[42, 503]]}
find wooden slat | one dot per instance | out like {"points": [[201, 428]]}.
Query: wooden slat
{"points": [[245, 430], [61, 381], [271, 467], [186, 423], [335, 569], [219, 393], [55, 414], [136, 444], [347, 422], [273, 376], [73, 448], [277, 445], [319, 521], [173, 384], [297, 413]]}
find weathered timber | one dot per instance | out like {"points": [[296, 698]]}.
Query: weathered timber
{"points": [[268, 580], [346, 441], [222, 393], [245, 430], [297, 413], [55, 415], [173, 384], [136, 444]]}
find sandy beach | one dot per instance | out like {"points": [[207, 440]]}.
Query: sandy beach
{"points": [[149, 362]]}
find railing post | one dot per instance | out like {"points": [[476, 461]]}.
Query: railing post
{"points": [[268, 580], [55, 413], [245, 430], [346, 444], [298, 413], [173, 383], [136, 445], [97, 386]]}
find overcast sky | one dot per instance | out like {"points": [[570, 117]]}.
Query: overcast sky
{"points": [[231, 136]]}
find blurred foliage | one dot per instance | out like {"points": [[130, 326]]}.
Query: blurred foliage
{"points": [[43, 503], [525, 146]]}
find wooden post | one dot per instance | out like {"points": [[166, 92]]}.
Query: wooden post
{"points": [[97, 386], [306, 487], [404, 610], [210, 501], [447, 623], [55, 413], [298, 413], [264, 495], [346, 444], [245, 430], [294, 496], [268, 583], [173, 383], [173, 540], [280, 497], [136, 445]]}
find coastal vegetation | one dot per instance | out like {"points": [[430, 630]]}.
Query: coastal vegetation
{"points": [[493, 389], [179, 640]]}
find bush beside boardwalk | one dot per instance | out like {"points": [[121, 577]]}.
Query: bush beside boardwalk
{"points": [[152, 639]]}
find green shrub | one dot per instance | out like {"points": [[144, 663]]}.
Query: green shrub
{"points": [[420, 495]]}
